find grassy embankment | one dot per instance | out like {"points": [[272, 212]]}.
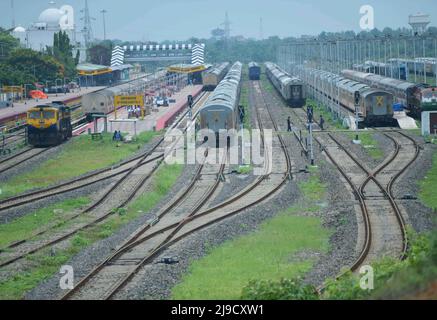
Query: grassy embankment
{"points": [[78, 157], [270, 253], [44, 264]]}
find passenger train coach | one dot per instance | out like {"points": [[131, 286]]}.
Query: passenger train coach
{"points": [[212, 77], [292, 89], [415, 97], [221, 112], [102, 102], [254, 71], [376, 105]]}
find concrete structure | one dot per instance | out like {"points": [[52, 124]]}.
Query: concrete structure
{"points": [[98, 75], [40, 34], [419, 22], [429, 123], [140, 53]]}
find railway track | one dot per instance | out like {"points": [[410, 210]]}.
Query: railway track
{"points": [[105, 280], [20, 157], [85, 180], [130, 183], [384, 228], [9, 141], [116, 272]]}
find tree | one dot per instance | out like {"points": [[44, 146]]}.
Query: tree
{"points": [[62, 50], [7, 43], [100, 54], [29, 66]]}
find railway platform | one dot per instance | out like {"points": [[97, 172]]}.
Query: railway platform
{"points": [[22, 107], [159, 118]]}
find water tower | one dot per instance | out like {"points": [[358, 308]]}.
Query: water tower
{"points": [[419, 22]]}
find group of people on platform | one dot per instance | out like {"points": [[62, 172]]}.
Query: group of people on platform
{"points": [[134, 112]]}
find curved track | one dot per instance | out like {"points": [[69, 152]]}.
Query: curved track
{"points": [[111, 276], [83, 181], [384, 226], [132, 181]]}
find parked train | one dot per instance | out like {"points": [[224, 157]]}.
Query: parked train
{"points": [[254, 71], [212, 77], [376, 105], [292, 89], [221, 111], [102, 102], [415, 97], [49, 125]]}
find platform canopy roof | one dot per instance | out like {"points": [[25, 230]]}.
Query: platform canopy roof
{"points": [[88, 69], [186, 68]]}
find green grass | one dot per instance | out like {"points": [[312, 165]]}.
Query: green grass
{"points": [[16, 287], [244, 169], [428, 186], [82, 155], [267, 254], [394, 279], [320, 110], [313, 189], [369, 143], [44, 265], [25, 226]]}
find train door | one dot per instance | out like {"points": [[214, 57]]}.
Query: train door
{"points": [[214, 120], [433, 123], [296, 94]]}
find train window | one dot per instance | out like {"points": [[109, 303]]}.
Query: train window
{"points": [[48, 114], [34, 115]]}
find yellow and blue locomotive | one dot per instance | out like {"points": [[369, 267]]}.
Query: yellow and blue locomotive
{"points": [[49, 125]]}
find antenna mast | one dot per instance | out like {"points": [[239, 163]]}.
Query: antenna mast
{"points": [[13, 14], [261, 29], [87, 27]]}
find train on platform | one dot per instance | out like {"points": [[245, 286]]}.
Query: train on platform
{"points": [[221, 110], [49, 125], [416, 98], [292, 89], [254, 71], [213, 76], [375, 105], [102, 102]]}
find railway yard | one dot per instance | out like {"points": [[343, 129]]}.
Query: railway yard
{"points": [[129, 235], [311, 177]]}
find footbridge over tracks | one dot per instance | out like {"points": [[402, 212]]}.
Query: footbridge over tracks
{"points": [[140, 53]]}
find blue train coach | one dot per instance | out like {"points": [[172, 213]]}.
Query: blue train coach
{"points": [[254, 71]]}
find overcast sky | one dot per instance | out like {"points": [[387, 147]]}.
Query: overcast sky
{"points": [[181, 19]]}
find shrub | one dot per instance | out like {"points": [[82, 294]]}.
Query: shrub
{"points": [[285, 289]]}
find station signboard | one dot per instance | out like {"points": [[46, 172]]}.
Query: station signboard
{"points": [[120, 101]]}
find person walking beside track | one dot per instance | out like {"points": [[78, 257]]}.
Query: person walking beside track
{"points": [[289, 124], [322, 123]]}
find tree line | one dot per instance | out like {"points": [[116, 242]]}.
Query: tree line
{"points": [[20, 66]]}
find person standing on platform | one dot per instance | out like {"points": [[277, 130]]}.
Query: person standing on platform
{"points": [[289, 124]]}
